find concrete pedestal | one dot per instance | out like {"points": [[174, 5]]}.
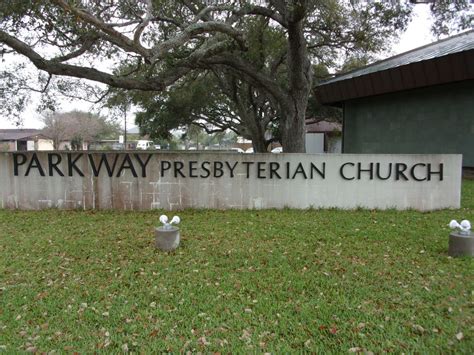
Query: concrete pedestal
{"points": [[461, 244], [166, 239]]}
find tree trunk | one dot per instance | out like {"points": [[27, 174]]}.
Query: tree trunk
{"points": [[257, 132], [253, 128], [293, 132], [300, 78], [258, 144]]}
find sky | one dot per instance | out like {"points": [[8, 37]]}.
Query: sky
{"points": [[417, 34]]}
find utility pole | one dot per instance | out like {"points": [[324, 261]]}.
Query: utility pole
{"points": [[125, 131]]}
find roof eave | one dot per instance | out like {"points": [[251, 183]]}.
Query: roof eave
{"points": [[440, 70]]}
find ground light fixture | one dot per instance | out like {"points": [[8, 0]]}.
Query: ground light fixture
{"points": [[461, 240], [167, 236]]}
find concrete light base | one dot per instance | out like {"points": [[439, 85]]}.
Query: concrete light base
{"points": [[461, 244], [166, 239]]}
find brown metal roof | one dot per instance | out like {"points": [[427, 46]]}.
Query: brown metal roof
{"points": [[315, 126], [19, 134], [442, 62]]}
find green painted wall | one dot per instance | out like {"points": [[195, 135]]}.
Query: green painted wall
{"points": [[438, 119]]}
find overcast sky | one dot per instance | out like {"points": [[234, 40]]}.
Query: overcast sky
{"points": [[417, 35]]}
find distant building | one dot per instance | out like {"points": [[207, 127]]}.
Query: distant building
{"points": [[242, 143], [133, 130], [24, 139], [421, 101], [323, 136]]}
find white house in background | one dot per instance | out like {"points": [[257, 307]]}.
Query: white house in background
{"points": [[323, 136], [24, 139]]}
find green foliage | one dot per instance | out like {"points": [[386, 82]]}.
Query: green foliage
{"points": [[315, 110], [179, 106], [354, 63], [166, 50], [319, 281], [12, 100], [215, 101], [452, 14], [265, 43], [200, 98], [194, 134]]}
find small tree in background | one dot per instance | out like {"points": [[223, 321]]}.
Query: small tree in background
{"points": [[78, 127]]}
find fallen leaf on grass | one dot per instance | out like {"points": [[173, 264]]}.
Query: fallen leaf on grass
{"points": [[41, 295], [245, 336], [418, 329], [203, 341]]}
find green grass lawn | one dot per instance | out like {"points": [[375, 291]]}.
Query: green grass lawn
{"points": [[241, 281]]}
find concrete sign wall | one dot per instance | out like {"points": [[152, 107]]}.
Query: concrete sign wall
{"points": [[147, 180]]}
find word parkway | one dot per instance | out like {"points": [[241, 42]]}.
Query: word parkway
{"points": [[139, 165]]}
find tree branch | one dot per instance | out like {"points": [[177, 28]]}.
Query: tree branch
{"points": [[262, 11], [192, 31], [87, 44], [55, 68], [29, 88], [258, 79], [114, 36], [144, 23], [82, 98], [167, 19]]}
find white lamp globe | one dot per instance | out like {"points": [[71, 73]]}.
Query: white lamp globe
{"points": [[175, 220], [163, 219], [465, 225], [454, 224]]}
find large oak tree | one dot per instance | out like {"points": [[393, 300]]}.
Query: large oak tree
{"points": [[162, 41]]}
